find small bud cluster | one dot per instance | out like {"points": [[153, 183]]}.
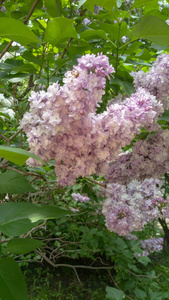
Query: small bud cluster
{"points": [[80, 198]]}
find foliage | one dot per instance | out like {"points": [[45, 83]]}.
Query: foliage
{"points": [[39, 42]]}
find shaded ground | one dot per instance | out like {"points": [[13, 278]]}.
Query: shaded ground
{"points": [[47, 283]]}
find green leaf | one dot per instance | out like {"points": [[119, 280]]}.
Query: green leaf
{"points": [[158, 295], [81, 2], [17, 31], [4, 115], [60, 29], [165, 116], [54, 7], [119, 3], [107, 4], [18, 218], [153, 29], [12, 284], [28, 68], [141, 3], [140, 294], [126, 85], [12, 182], [31, 58], [91, 33], [114, 294], [17, 155], [113, 30], [23, 246], [144, 260], [14, 78]]}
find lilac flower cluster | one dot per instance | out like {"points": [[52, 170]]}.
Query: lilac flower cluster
{"points": [[151, 246], [128, 208], [156, 80], [149, 158], [63, 125], [80, 198]]}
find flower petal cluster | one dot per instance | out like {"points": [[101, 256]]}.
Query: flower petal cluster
{"points": [[149, 158], [63, 125], [150, 246], [128, 208], [156, 80], [80, 198]]}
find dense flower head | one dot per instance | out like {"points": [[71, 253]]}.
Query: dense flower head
{"points": [[156, 80], [149, 158], [128, 208], [63, 125]]}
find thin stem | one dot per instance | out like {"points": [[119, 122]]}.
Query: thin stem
{"points": [[14, 100], [112, 42], [117, 54], [96, 182], [62, 56], [31, 11]]}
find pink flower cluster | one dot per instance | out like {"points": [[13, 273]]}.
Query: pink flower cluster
{"points": [[128, 208], [156, 80], [149, 158], [80, 198], [151, 246], [63, 125]]}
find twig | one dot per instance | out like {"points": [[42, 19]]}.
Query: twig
{"points": [[58, 265], [96, 182], [63, 54], [13, 136], [6, 49], [14, 100], [33, 229], [30, 85], [31, 11]]}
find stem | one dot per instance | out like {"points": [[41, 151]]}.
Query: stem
{"points": [[41, 67], [117, 54], [95, 182], [166, 232], [62, 56], [31, 11], [14, 100]]}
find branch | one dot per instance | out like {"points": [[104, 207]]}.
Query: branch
{"points": [[30, 85], [96, 182], [31, 11], [59, 265], [63, 54], [25, 21]]}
